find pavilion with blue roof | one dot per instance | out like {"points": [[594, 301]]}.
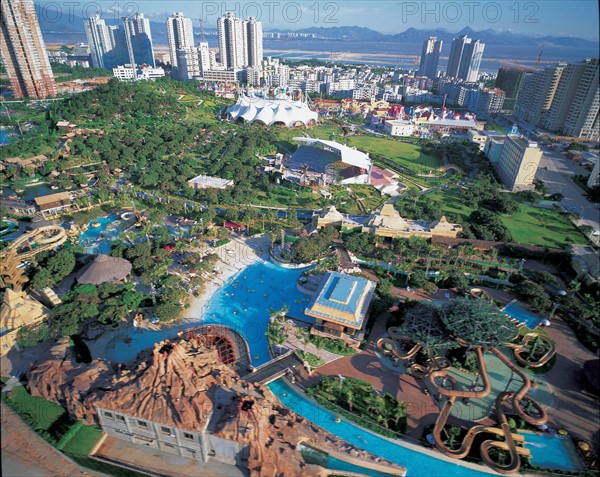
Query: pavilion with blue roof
{"points": [[340, 307]]}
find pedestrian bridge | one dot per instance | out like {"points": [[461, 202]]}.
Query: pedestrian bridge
{"points": [[276, 368]]}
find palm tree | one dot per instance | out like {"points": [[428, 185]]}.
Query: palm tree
{"points": [[574, 286]]}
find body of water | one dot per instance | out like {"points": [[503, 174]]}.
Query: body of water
{"points": [[4, 137], [523, 315], [553, 452], [417, 464]]}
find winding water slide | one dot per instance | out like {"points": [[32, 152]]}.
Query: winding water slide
{"points": [[39, 240], [520, 348], [515, 399]]}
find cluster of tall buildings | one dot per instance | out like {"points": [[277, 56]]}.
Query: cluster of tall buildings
{"points": [[23, 51], [563, 98], [464, 59], [240, 46], [112, 45]]}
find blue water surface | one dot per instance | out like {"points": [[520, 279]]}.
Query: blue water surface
{"points": [[523, 315], [552, 451], [242, 304], [417, 464]]}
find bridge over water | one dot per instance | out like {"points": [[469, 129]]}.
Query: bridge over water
{"points": [[274, 369]]}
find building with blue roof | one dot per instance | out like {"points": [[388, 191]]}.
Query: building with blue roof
{"points": [[340, 307]]}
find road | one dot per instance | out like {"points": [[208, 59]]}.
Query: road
{"points": [[556, 171]]}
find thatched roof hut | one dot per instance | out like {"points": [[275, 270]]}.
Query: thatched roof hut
{"points": [[105, 269]]}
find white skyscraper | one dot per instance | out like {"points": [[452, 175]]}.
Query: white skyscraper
{"points": [[240, 41], [141, 39], [232, 43], [465, 58], [204, 57], [254, 41], [430, 56], [471, 60], [99, 39], [180, 33]]}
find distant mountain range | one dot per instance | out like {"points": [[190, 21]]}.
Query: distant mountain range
{"points": [[55, 30], [413, 35]]}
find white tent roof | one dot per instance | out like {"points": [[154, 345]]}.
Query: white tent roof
{"points": [[348, 155], [270, 111]]}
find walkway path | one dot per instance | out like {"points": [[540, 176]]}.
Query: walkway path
{"points": [[575, 409], [366, 366]]}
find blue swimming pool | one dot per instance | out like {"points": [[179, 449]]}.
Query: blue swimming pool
{"points": [[96, 240], [243, 304], [553, 451], [418, 464], [523, 315]]}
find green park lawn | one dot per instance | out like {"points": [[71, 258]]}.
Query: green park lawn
{"points": [[287, 197], [397, 153], [40, 414], [544, 227], [371, 197], [528, 226]]}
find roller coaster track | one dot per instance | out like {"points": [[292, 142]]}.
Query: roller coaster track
{"points": [[36, 241]]}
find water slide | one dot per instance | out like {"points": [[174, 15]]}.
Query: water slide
{"points": [[521, 395], [518, 350], [509, 445], [46, 238]]}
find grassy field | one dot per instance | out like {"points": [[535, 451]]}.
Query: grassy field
{"points": [[402, 154], [544, 227], [528, 226], [287, 197], [371, 197], [83, 442], [44, 417]]}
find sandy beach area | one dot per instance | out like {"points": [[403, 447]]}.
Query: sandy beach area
{"points": [[234, 257]]}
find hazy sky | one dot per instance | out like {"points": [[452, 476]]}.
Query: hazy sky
{"points": [[542, 17]]}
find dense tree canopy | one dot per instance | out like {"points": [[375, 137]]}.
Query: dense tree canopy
{"points": [[477, 322]]}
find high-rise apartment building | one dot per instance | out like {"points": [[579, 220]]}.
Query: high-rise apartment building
{"points": [[430, 57], [563, 98], [456, 53], [509, 80], [465, 59], [232, 44], [574, 111], [204, 58], [23, 51], [98, 39], [471, 61], [518, 162], [537, 93], [140, 36], [108, 43], [254, 42], [180, 33], [240, 41]]}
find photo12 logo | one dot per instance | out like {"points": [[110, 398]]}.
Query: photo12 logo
{"points": [[469, 12], [273, 12], [72, 11]]}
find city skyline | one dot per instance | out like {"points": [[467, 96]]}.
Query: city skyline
{"points": [[529, 18]]}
